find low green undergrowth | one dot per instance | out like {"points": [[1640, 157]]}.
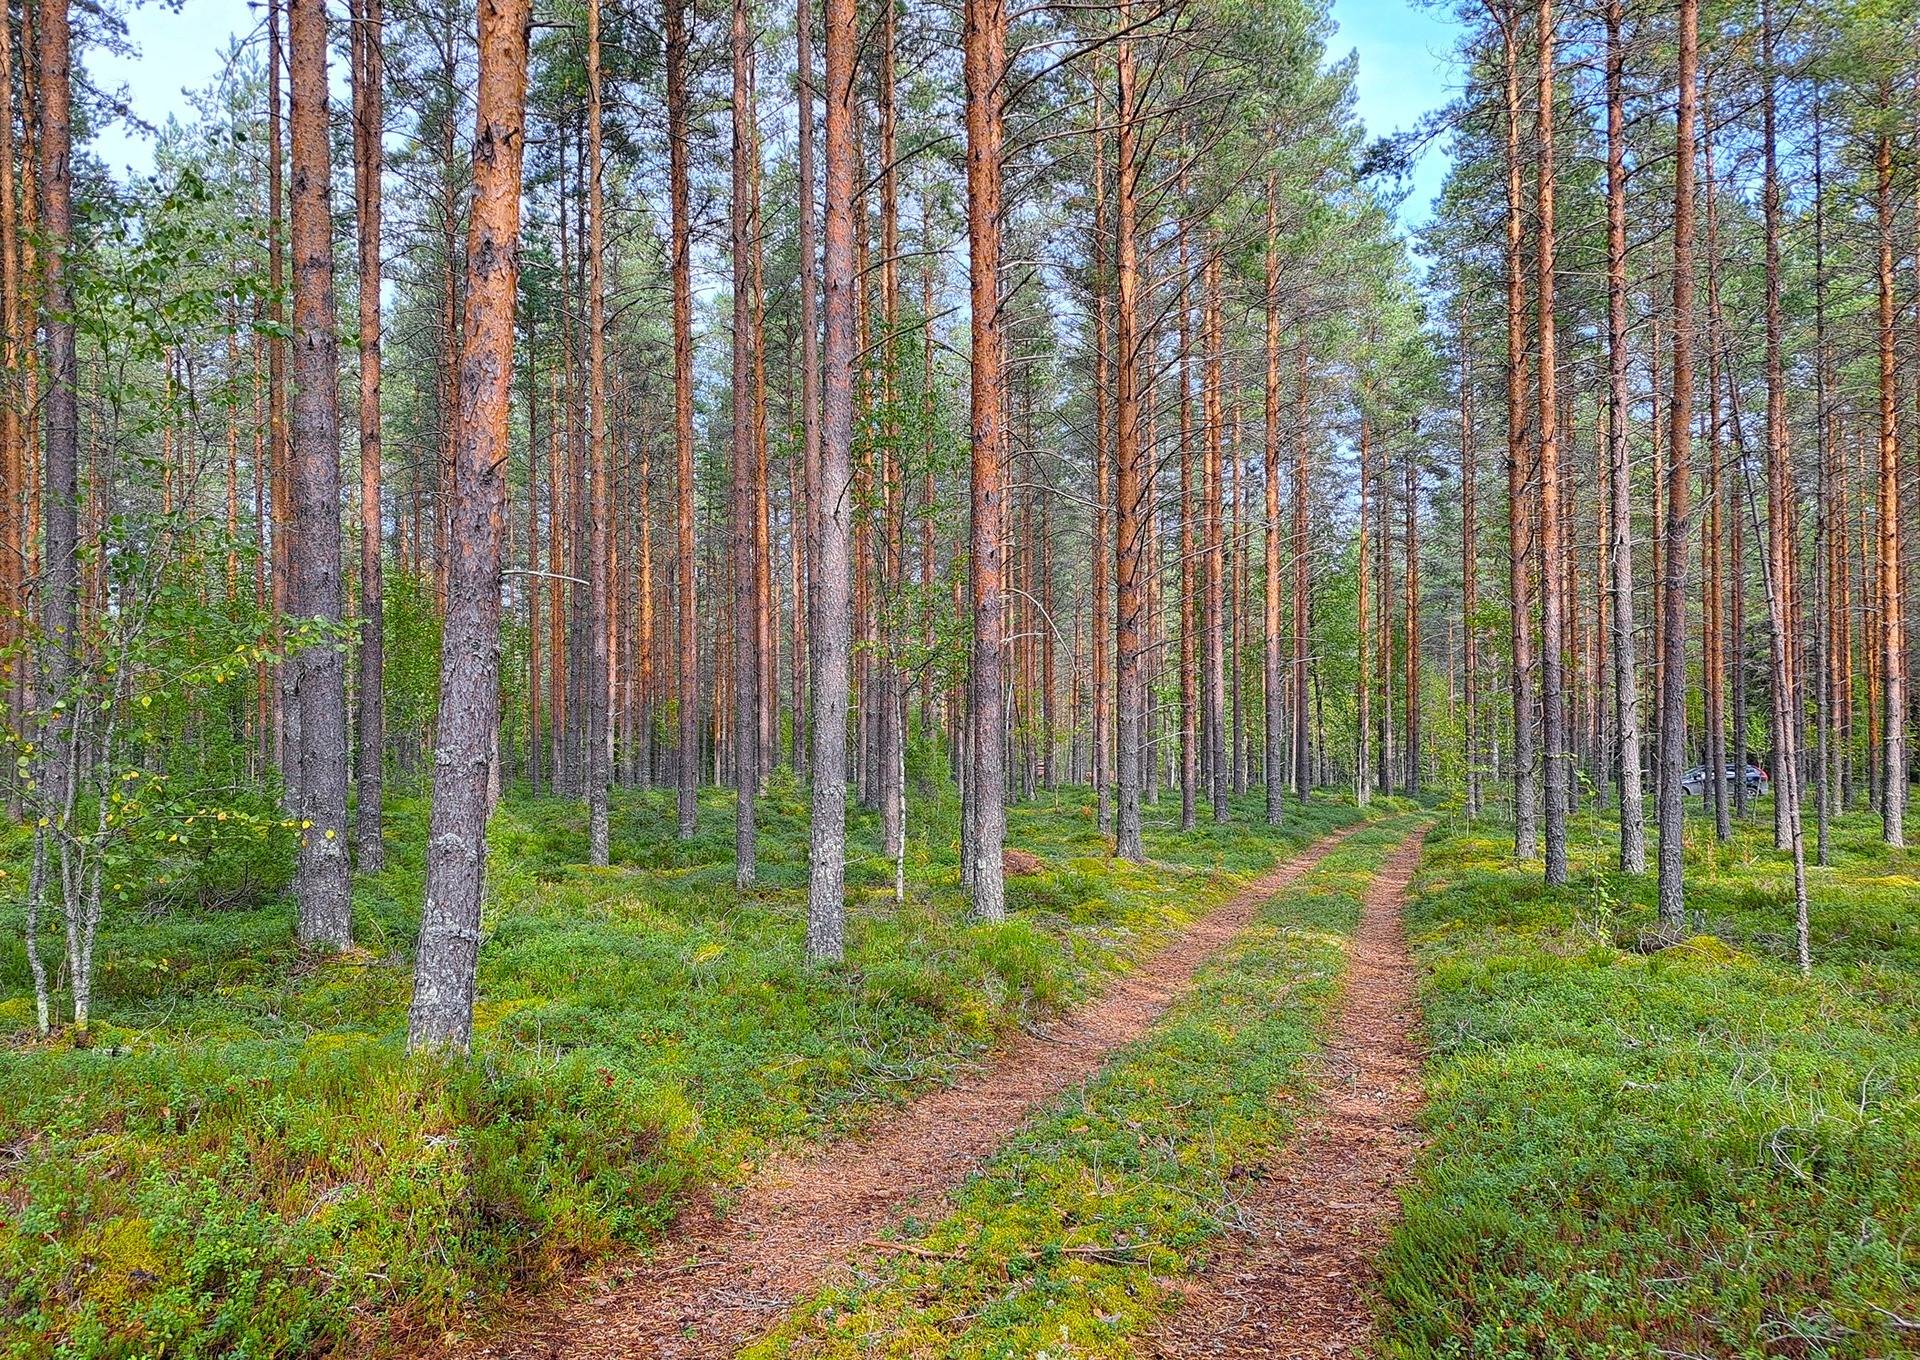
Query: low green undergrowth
{"points": [[1064, 1246], [244, 1161], [1684, 1153]]}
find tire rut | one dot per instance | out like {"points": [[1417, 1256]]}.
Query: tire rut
{"points": [[718, 1281], [1295, 1282]]}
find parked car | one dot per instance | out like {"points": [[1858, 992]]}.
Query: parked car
{"points": [[1695, 782]]}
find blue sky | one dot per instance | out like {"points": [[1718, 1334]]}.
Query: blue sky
{"points": [[1405, 70]]}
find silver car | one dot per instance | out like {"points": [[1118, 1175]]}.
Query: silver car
{"points": [[1695, 782]]}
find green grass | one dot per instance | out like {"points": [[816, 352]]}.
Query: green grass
{"points": [[1685, 1153], [1067, 1242], [245, 1162]]}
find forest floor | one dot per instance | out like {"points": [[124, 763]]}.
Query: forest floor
{"points": [[719, 1278], [1686, 1153], [244, 1160], [1143, 1190]]}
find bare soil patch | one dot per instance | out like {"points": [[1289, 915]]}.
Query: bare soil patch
{"points": [[720, 1280], [1294, 1283]]}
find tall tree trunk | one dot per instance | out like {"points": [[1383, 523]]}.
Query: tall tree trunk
{"points": [[1828, 734], [599, 754], [1782, 516], [1274, 670], [832, 592], [313, 484], [1713, 586], [985, 54], [1214, 491], [745, 557], [13, 422], [687, 695], [1893, 643], [1302, 776], [1188, 546], [809, 349], [1559, 760], [369, 66], [1133, 484], [1098, 547], [1526, 775], [1363, 637], [286, 725], [1626, 679], [60, 494], [1410, 604], [1469, 568], [445, 961], [1673, 583]]}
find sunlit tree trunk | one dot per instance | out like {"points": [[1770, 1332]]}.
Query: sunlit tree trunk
{"points": [[1893, 643], [1363, 636], [1782, 515], [1098, 547], [833, 576], [687, 690], [1673, 583], [1469, 569], [984, 44], [599, 753], [1526, 775], [745, 561], [806, 523], [1274, 672], [1302, 767], [60, 492], [313, 484], [1213, 546], [13, 421], [444, 966], [1410, 605], [1626, 679], [1189, 659], [1132, 480], [1559, 760], [369, 66]]}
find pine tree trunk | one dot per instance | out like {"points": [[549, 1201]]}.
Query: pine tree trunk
{"points": [[745, 558], [1526, 775], [1188, 546], [1276, 764], [1782, 515], [60, 494], [1098, 569], [599, 755], [1302, 764], [687, 691], [313, 484], [1893, 645], [445, 961], [1214, 547], [1133, 483], [1410, 603], [1626, 679], [1673, 583], [807, 523], [833, 576], [1559, 763], [1469, 569], [369, 68], [984, 45], [1363, 635]]}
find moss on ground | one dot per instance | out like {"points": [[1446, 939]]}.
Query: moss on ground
{"points": [[245, 1162], [1685, 1153], [1070, 1241]]}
